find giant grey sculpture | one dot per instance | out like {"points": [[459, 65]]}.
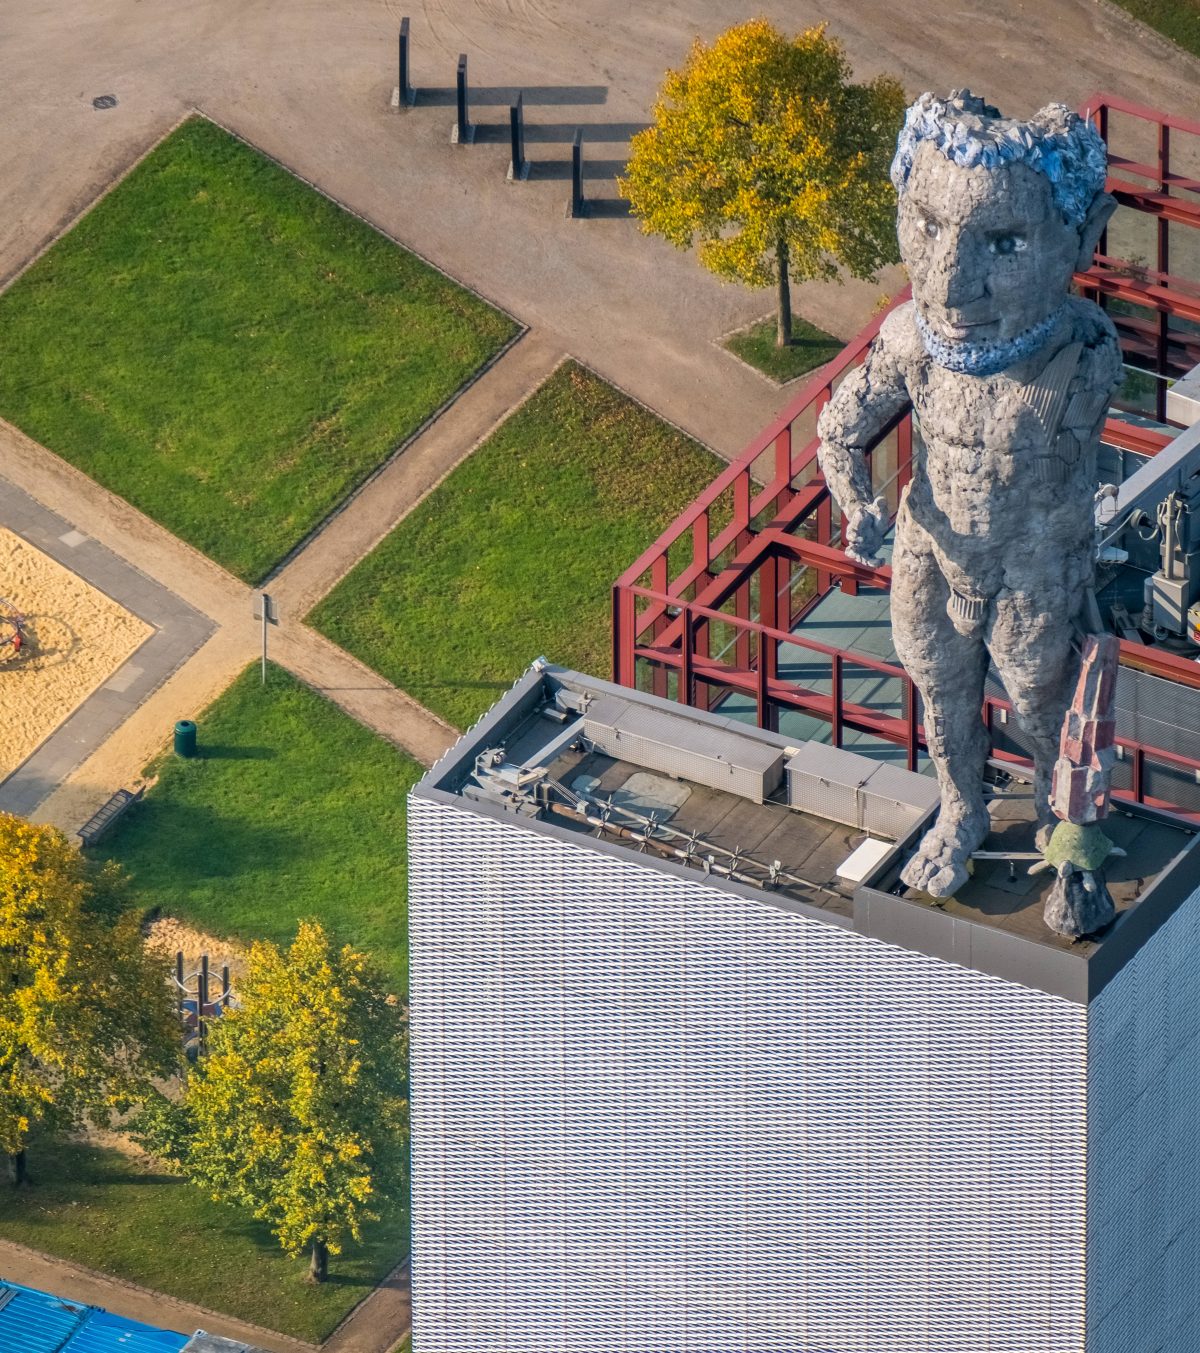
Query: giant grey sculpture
{"points": [[1009, 377]]}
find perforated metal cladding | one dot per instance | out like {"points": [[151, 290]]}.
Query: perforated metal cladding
{"points": [[650, 1116], [1144, 1148]]}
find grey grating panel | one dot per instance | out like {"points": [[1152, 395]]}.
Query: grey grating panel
{"points": [[1150, 710], [708, 754], [1160, 713]]}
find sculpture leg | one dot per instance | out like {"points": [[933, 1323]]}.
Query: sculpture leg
{"points": [[1032, 643], [948, 669]]}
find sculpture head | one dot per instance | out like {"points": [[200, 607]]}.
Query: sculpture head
{"points": [[995, 217]]}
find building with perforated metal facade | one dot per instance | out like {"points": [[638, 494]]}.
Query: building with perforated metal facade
{"points": [[689, 1076]]}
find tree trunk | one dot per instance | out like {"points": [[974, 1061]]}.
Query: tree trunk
{"points": [[783, 331], [318, 1268], [17, 1172]]}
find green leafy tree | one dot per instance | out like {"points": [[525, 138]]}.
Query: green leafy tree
{"points": [[763, 150], [298, 1111], [86, 1017]]}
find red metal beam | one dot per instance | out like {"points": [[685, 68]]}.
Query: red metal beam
{"points": [[1167, 300], [1099, 101]]}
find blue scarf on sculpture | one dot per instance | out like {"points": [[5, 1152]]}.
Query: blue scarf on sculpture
{"points": [[985, 359]]}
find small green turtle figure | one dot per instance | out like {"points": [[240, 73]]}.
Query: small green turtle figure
{"points": [[1079, 903]]}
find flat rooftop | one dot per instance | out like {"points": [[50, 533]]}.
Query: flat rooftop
{"points": [[760, 833], [754, 813], [1005, 895]]}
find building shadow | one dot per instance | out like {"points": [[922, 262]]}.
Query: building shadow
{"points": [[593, 170], [593, 132], [495, 95], [610, 208]]}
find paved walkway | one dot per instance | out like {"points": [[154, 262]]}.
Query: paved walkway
{"points": [[379, 1323], [178, 631], [371, 513]]}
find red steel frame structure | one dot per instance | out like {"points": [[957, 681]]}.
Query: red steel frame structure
{"points": [[707, 608]]}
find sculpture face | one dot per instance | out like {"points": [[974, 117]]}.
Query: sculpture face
{"points": [[987, 249]]}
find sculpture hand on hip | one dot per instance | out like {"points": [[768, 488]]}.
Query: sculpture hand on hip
{"points": [[865, 530]]}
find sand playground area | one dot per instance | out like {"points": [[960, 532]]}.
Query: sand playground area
{"points": [[74, 640]]}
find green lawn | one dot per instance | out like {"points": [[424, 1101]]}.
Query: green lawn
{"points": [[97, 1208], [810, 348], [229, 350], [1178, 20], [292, 810], [515, 554]]}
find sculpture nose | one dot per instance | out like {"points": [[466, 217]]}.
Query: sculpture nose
{"points": [[958, 278]]}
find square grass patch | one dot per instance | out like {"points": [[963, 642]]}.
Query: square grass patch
{"points": [[292, 809], [230, 351], [98, 1208], [810, 348], [515, 554]]}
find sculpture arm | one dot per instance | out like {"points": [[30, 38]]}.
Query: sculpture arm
{"points": [[866, 402]]}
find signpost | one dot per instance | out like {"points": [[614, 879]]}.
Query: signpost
{"points": [[264, 610]]}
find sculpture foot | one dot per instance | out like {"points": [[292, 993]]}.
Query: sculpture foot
{"points": [[939, 867]]}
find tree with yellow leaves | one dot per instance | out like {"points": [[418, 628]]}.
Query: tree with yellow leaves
{"points": [[763, 149], [298, 1112], [86, 1017]]}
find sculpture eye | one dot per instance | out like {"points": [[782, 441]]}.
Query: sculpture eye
{"points": [[1008, 244], [929, 227]]}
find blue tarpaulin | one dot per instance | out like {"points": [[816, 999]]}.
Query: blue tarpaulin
{"points": [[36, 1322]]}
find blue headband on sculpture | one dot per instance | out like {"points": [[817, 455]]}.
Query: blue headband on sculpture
{"points": [[1056, 143]]}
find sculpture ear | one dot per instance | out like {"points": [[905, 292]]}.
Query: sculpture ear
{"points": [[1103, 206]]}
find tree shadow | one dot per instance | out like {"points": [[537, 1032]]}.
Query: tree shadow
{"points": [[169, 842]]}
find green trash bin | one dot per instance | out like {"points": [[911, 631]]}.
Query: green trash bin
{"points": [[185, 738]]}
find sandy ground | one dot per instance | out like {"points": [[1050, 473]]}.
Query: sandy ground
{"points": [[166, 936], [75, 639]]}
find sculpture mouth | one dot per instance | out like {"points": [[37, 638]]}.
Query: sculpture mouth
{"points": [[963, 331]]}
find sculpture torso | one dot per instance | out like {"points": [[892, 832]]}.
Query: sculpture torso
{"points": [[1005, 466]]}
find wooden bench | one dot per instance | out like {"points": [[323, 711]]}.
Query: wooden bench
{"points": [[98, 824]]}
